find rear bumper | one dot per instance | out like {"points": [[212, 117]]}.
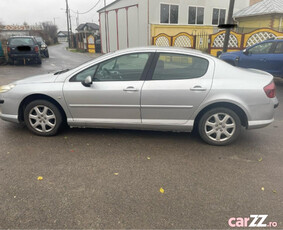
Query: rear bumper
{"points": [[24, 56]]}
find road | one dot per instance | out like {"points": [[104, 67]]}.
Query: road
{"points": [[95, 178]]}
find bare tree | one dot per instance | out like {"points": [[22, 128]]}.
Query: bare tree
{"points": [[48, 33]]}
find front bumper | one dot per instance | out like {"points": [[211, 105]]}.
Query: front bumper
{"points": [[7, 117]]}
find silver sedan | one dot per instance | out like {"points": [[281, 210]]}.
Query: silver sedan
{"points": [[169, 89]]}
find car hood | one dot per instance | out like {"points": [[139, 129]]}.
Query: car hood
{"points": [[45, 78]]}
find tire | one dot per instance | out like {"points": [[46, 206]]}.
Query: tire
{"points": [[42, 118], [46, 54], [39, 61], [221, 131]]}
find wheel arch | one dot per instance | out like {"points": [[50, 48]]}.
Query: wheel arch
{"points": [[34, 97], [237, 109]]}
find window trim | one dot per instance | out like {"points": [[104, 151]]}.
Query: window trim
{"points": [[216, 8], [197, 6], [156, 58], [169, 23]]}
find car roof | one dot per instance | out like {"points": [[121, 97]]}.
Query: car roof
{"points": [[21, 37], [170, 49], [161, 49]]}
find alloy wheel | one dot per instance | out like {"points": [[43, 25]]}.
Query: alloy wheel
{"points": [[220, 127], [42, 119]]}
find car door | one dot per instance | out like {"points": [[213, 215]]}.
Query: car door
{"points": [[176, 87], [114, 95], [257, 57], [276, 60]]}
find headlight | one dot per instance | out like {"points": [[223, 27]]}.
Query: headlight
{"points": [[43, 46], [6, 88]]}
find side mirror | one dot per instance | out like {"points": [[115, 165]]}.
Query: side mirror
{"points": [[245, 51], [87, 82]]}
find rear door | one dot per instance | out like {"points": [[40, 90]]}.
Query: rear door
{"points": [[177, 85]]}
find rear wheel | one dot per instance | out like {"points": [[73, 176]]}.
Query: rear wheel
{"points": [[39, 61], [42, 118], [46, 54], [219, 126]]}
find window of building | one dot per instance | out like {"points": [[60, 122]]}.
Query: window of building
{"points": [[218, 16], [169, 13], [196, 15]]}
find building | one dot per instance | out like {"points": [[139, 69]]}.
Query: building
{"points": [[263, 14], [131, 23], [62, 36], [89, 28], [7, 31], [86, 36]]}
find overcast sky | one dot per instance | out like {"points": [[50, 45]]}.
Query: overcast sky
{"points": [[36, 11]]}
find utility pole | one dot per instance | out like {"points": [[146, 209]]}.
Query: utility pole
{"points": [[71, 34], [67, 12], [229, 22], [106, 35], [77, 19]]}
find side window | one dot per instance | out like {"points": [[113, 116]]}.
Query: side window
{"points": [[83, 74], [179, 66], [261, 48], [279, 48], [124, 68], [218, 16], [196, 15]]}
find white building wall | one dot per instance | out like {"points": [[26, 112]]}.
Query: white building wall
{"points": [[137, 31], [131, 33], [208, 5]]}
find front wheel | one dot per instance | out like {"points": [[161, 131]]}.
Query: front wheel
{"points": [[46, 54], [219, 126], [42, 118]]}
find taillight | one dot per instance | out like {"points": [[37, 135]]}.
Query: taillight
{"points": [[270, 90], [8, 49], [36, 49]]}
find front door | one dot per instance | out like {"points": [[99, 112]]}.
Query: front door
{"points": [[114, 96], [257, 57], [178, 85]]}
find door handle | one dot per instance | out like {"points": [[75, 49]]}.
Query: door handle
{"points": [[130, 89], [263, 59], [198, 88]]}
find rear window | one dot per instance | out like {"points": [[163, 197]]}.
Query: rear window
{"points": [[21, 42], [179, 66]]}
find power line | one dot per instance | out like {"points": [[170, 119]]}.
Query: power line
{"points": [[88, 10]]}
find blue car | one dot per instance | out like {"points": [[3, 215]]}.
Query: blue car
{"points": [[267, 56]]}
